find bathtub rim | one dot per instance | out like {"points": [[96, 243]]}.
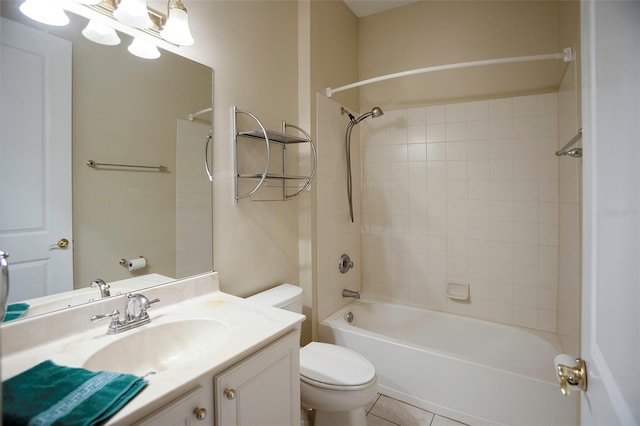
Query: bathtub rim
{"points": [[337, 318]]}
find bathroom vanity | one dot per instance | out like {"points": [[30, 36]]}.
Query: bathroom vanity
{"points": [[261, 389], [209, 358]]}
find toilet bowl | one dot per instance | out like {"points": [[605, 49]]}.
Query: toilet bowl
{"points": [[335, 382]]}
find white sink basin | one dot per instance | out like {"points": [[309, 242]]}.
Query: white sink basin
{"points": [[153, 348]]}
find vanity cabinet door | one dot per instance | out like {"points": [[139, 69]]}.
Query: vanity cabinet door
{"points": [[195, 408], [264, 389]]}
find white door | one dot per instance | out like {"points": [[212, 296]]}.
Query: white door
{"points": [[35, 160], [611, 248]]}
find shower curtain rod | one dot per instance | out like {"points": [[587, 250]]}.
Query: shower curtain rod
{"points": [[193, 115], [567, 55]]}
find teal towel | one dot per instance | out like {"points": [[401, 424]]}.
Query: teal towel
{"points": [[48, 394], [15, 311]]}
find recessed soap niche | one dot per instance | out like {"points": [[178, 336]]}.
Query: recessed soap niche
{"points": [[458, 291]]}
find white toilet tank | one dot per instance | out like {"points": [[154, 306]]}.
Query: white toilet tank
{"points": [[284, 296]]}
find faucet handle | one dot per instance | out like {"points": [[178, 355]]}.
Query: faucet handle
{"points": [[146, 304], [133, 300], [115, 319], [113, 315]]}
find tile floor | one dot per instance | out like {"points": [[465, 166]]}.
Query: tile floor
{"points": [[386, 411]]}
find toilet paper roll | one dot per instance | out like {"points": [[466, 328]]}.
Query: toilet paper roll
{"points": [[135, 264]]}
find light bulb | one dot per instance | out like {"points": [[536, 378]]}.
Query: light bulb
{"points": [[143, 49], [133, 13], [100, 33], [176, 30], [45, 11]]}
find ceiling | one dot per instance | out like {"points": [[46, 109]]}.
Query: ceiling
{"points": [[368, 7]]}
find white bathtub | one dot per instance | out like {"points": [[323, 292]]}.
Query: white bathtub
{"points": [[474, 371]]}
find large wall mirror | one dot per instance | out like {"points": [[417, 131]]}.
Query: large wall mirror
{"points": [[71, 101]]}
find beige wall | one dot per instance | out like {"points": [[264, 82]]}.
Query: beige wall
{"points": [[252, 47], [430, 33], [333, 60], [334, 50]]}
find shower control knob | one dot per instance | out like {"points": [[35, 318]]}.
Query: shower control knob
{"points": [[200, 413], [230, 393], [344, 263]]}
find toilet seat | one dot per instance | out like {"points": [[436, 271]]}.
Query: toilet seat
{"points": [[335, 367]]}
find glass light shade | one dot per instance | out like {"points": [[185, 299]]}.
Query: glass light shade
{"points": [[133, 13], [45, 11], [100, 33], [176, 30], [143, 49]]}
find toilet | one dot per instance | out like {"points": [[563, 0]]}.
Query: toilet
{"points": [[335, 381]]}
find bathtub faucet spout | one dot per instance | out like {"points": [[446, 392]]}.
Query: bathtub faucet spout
{"points": [[350, 293]]}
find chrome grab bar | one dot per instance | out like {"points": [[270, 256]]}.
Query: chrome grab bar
{"points": [[4, 283], [207, 169]]}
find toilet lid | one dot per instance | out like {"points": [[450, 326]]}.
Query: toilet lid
{"points": [[334, 365]]}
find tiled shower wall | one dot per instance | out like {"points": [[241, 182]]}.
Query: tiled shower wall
{"points": [[464, 193]]}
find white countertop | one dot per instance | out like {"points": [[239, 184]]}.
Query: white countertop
{"points": [[69, 338]]}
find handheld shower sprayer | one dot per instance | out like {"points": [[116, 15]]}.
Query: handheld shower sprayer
{"points": [[375, 113], [353, 121]]}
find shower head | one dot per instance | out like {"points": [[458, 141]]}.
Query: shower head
{"points": [[375, 113]]}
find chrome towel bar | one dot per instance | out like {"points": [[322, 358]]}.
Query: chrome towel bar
{"points": [[95, 164]]}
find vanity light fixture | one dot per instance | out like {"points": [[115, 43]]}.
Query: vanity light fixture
{"points": [[100, 33], [143, 49], [133, 13], [48, 12], [176, 29], [172, 27]]}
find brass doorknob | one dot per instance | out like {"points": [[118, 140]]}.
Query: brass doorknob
{"points": [[570, 375], [62, 243]]}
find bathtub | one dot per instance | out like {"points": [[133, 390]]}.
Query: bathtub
{"points": [[478, 372]]}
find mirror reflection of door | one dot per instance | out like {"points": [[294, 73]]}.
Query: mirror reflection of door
{"points": [[35, 161]]}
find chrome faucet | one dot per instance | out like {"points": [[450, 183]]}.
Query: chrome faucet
{"points": [[102, 286], [350, 293], [135, 314]]}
